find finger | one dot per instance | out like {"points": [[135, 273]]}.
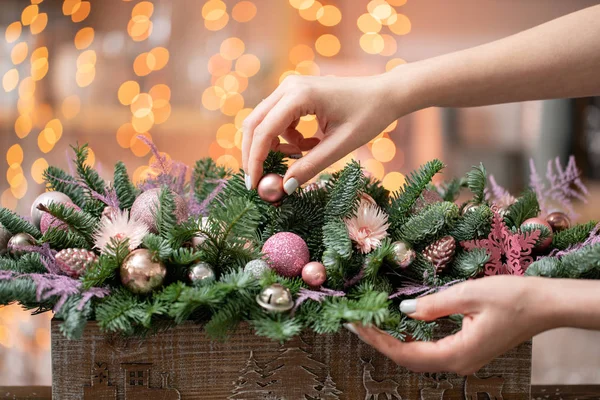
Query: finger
{"points": [[454, 300], [289, 149], [309, 143], [274, 123], [252, 121], [291, 135], [325, 153], [416, 356], [274, 143]]}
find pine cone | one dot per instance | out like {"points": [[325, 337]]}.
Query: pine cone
{"points": [[74, 262], [440, 252]]}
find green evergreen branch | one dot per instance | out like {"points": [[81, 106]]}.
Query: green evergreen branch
{"points": [[18, 291], [474, 224], [469, 264], [275, 163], [451, 190], [402, 203], [121, 312], [159, 247], [526, 207], [276, 327], [421, 228], [58, 180], [548, 267], [28, 263], [60, 239], [344, 194], [108, 263], [165, 213], [377, 258], [206, 173], [80, 222], [569, 237], [73, 320], [126, 190], [86, 173], [476, 181], [15, 224]]}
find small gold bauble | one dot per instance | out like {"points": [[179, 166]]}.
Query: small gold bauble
{"points": [[559, 221], [140, 274], [200, 273], [18, 243], [276, 298], [403, 254]]}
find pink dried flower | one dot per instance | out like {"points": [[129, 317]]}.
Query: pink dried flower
{"points": [[120, 227], [368, 227]]}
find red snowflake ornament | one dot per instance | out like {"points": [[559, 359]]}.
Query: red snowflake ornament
{"points": [[510, 253]]}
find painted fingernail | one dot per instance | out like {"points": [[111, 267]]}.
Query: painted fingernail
{"points": [[351, 328], [408, 306], [248, 181], [295, 156], [290, 185]]}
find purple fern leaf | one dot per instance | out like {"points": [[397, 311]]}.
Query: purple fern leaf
{"points": [[49, 285], [92, 292], [496, 191], [6, 275], [318, 296], [161, 162]]}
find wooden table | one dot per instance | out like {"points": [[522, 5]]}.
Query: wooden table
{"points": [[559, 392]]}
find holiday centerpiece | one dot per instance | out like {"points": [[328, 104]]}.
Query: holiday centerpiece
{"points": [[129, 271]]}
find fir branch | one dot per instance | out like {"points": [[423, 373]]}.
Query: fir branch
{"points": [[205, 176], [29, 263], [572, 236], [15, 224], [120, 312], [377, 258], [583, 263], [403, 201], [474, 224], [18, 291], [375, 189], [275, 163], [338, 248], [235, 218], [548, 267], [105, 269], [58, 180], [80, 222], [159, 247], [451, 190], [74, 318], [469, 264], [276, 327], [165, 213], [476, 181], [344, 193], [126, 190], [526, 207], [59, 239], [183, 233], [86, 173], [429, 223]]}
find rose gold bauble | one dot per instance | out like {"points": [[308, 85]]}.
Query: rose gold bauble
{"points": [[270, 188], [145, 206], [314, 274], [48, 221], [559, 221], [140, 274], [538, 221]]}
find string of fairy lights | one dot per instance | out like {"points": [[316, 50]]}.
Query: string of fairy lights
{"points": [[231, 70]]}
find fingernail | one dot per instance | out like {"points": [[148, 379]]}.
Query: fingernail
{"points": [[408, 306], [290, 185], [248, 181], [295, 156], [351, 328]]}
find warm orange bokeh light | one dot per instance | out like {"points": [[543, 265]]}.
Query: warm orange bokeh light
{"points": [[18, 53], [402, 26], [214, 10], [232, 48], [82, 12], [140, 65], [14, 155], [311, 13], [7, 200], [247, 65], [308, 126], [141, 105], [23, 126], [301, 4], [213, 98], [372, 43], [87, 57], [389, 45], [229, 161], [139, 148], [383, 149], [368, 24], [37, 170], [125, 135], [144, 8], [25, 105], [218, 65], [162, 114], [10, 80], [27, 88], [329, 15], [84, 38], [225, 135], [379, 9], [85, 78], [393, 181], [243, 11], [54, 129], [29, 13], [328, 45], [397, 3], [13, 31], [71, 6], [375, 168], [232, 104], [127, 92], [144, 123], [218, 24], [241, 116], [71, 106], [301, 53], [161, 94], [393, 63], [39, 23], [158, 58], [308, 68]]}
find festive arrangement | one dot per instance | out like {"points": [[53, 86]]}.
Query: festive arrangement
{"points": [[196, 245]]}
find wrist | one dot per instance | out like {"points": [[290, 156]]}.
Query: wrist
{"points": [[406, 86]]}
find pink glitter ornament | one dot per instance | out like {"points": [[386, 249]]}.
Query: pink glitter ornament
{"points": [[314, 274], [48, 221], [286, 253], [145, 206]]}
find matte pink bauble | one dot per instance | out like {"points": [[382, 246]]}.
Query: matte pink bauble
{"points": [[48, 221], [145, 206], [314, 274], [270, 188], [286, 253], [539, 221]]}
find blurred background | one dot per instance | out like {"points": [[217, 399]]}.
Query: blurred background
{"points": [[186, 73]]}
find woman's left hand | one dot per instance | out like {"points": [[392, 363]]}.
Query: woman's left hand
{"points": [[499, 313]]}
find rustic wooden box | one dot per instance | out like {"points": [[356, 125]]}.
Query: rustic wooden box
{"points": [[183, 364]]}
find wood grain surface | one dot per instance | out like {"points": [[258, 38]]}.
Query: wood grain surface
{"points": [[183, 363]]}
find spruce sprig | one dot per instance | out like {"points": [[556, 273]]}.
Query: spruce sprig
{"points": [[107, 265], [60, 239], [569, 237], [80, 222], [525, 207], [15, 224], [430, 223], [58, 180], [126, 190], [344, 194]]}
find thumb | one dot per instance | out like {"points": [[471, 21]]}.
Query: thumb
{"points": [[438, 305], [329, 150]]}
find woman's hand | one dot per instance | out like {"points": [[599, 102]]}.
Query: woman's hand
{"points": [[499, 313], [350, 112]]}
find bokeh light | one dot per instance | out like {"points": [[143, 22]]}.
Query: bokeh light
{"points": [[10, 80], [125, 135], [401, 26], [127, 92], [218, 65], [372, 43], [232, 48], [82, 12], [240, 117], [393, 181], [213, 98], [144, 123], [244, 11], [19, 53], [214, 10], [229, 161], [225, 135], [141, 105], [71, 106], [158, 58], [37, 170], [311, 13], [308, 68], [328, 45], [393, 63], [218, 24], [368, 24], [383, 149], [71, 6], [301, 53], [247, 65], [389, 45], [39, 23], [140, 65], [84, 38], [23, 126], [13, 32], [139, 148], [308, 126], [29, 14], [7, 200], [329, 15], [14, 155], [232, 104], [397, 3], [301, 4], [375, 168]]}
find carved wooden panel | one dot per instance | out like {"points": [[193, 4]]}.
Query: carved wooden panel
{"points": [[183, 364]]}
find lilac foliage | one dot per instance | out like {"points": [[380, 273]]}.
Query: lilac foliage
{"points": [[316, 295], [50, 285]]}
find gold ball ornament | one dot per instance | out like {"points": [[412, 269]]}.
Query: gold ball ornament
{"points": [[201, 273], [270, 188], [18, 243], [140, 274], [5, 236], [275, 298], [559, 221], [468, 208]]}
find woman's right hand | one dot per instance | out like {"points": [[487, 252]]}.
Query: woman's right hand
{"points": [[350, 112]]}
